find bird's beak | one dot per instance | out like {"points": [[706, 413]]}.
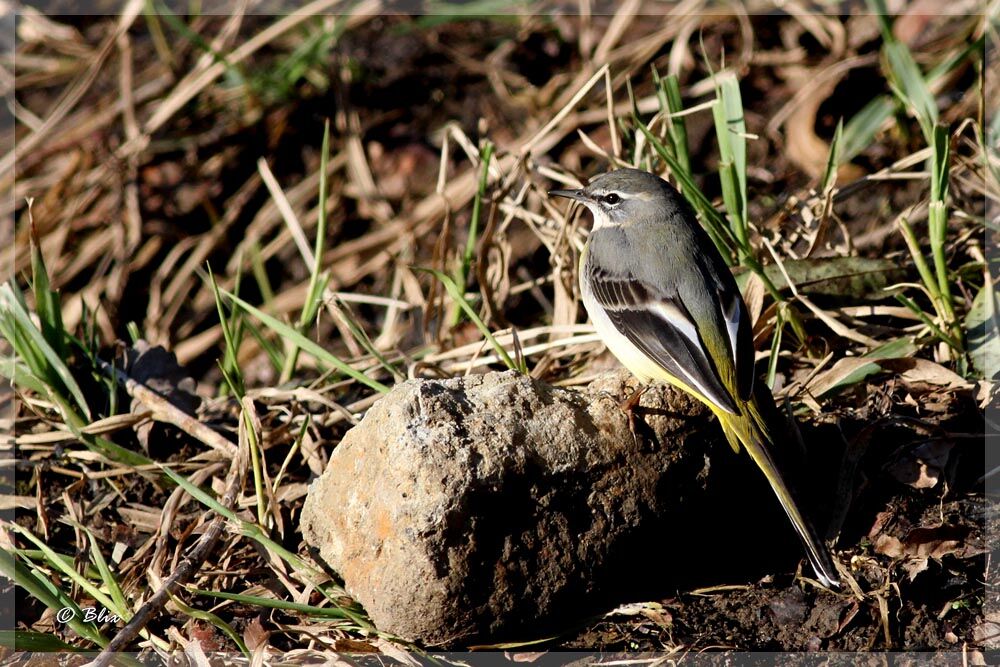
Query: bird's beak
{"points": [[578, 195]]}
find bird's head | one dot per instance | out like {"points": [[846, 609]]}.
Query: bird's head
{"points": [[624, 197]]}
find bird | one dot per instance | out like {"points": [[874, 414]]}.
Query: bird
{"points": [[665, 303]]}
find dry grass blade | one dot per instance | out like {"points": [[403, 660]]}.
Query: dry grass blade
{"points": [[198, 80], [561, 115], [287, 214], [73, 95]]}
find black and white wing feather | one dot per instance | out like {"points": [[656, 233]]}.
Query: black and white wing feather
{"points": [[660, 325]]}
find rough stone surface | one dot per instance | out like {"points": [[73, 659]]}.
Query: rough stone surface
{"points": [[492, 505]]}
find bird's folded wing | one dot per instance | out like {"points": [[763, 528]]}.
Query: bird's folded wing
{"points": [[662, 328], [738, 329]]}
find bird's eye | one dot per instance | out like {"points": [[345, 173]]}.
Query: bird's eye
{"points": [[611, 198]]}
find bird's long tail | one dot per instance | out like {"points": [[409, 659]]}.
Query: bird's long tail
{"points": [[751, 430]]}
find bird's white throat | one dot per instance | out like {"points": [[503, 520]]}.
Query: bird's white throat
{"points": [[601, 217]]}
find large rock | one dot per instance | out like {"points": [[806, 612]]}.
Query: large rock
{"points": [[493, 505]]}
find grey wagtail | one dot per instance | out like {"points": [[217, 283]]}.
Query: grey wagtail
{"points": [[665, 303]]}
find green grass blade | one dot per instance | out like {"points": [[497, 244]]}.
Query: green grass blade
{"points": [[274, 355], [362, 338], [455, 292], [909, 85], [21, 376], [113, 450], [260, 273], [233, 71], [290, 333], [833, 159], [272, 603], [39, 642], [121, 606], [58, 563], [47, 304], [895, 349], [462, 272], [318, 279], [231, 370], [935, 329], [668, 91], [11, 306], [214, 620], [923, 268], [983, 333], [257, 534], [730, 128], [860, 130], [45, 592], [937, 222], [905, 78], [196, 492]]}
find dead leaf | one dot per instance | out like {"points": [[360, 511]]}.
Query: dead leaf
{"points": [[803, 146], [348, 645], [880, 520], [789, 608], [922, 544], [922, 466], [195, 653], [396, 652], [36, 27], [887, 545], [987, 632], [915, 370], [852, 611], [855, 277], [911, 25], [986, 395], [893, 357], [659, 615], [524, 656], [654, 611], [936, 542], [915, 566], [753, 295], [984, 332], [255, 635], [205, 638], [407, 171]]}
